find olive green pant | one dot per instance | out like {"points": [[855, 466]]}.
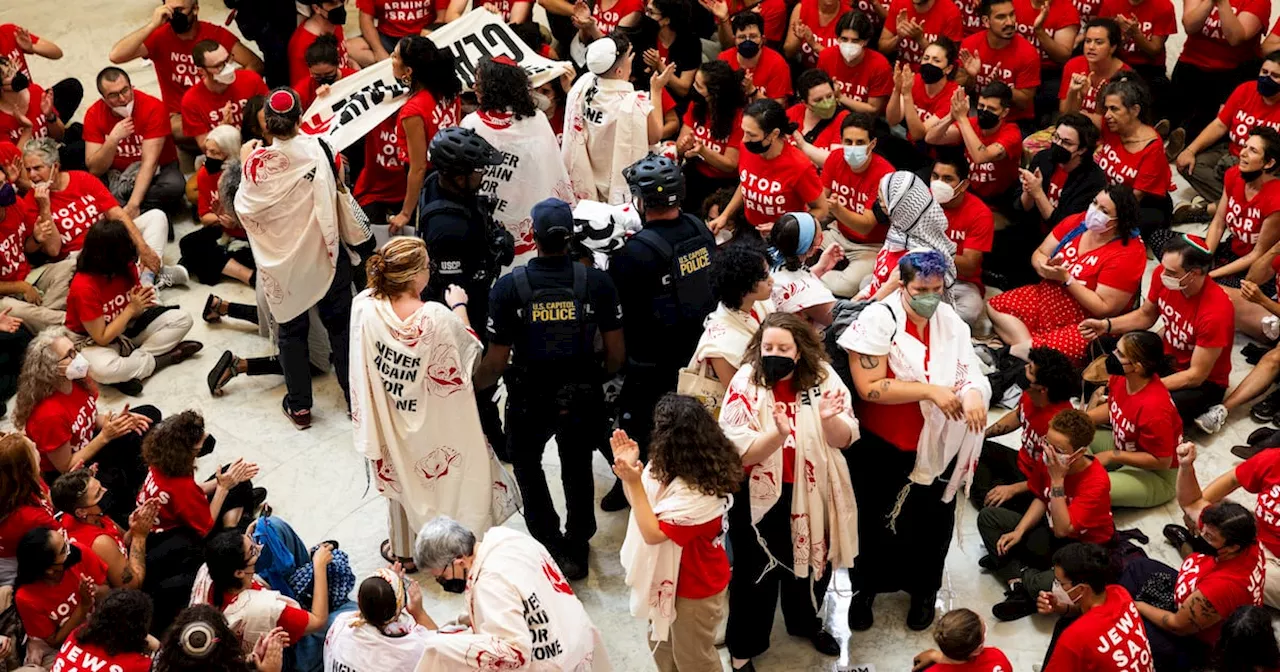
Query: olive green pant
{"points": [[1132, 487]]}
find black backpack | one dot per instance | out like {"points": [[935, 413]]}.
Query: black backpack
{"points": [[686, 295], [557, 328], [501, 245]]}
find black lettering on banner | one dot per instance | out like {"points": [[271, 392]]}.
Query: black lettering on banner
{"points": [[497, 32], [396, 369], [492, 40], [539, 621]]}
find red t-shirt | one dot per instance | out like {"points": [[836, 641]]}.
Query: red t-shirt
{"points": [[63, 418], [150, 121], [1053, 191], [82, 204], [1108, 638], [85, 534], [871, 77], [202, 108], [1115, 264], [1208, 49], [1260, 475], [182, 502], [773, 187], [943, 19], [824, 35], [44, 608], [886, 261], [608, 19], [994, 177], [9, 46], [1146, 420], [1227, 584], [990, 659], [1244, 109], [971, 12], [307, 86], [774, 13], [1205, 320], [22, 520], [704, 565], [303, 38], [899, 424], [770, 73], [1146, 170], [77, 657], [827, 138], [932, 107], [505, 8], [1080, 65], [1088, 501], [207, 198], [1155, 18], [1087, 9], [1035, 428], [383, 179], [856, 191], [786, 393], [1244, 216], [1016, 64], [703, 133], [971, 227], [11, 128], [16, 224], [1061, 15], [93, 296], [175, 67], [402, 18], [435, 116]]}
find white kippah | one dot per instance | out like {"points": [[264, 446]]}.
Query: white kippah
{"points": [[601, 55]]}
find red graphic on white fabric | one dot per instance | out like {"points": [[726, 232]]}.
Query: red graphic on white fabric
{"points": [[495, 656], [271, 288], [557, 580], [808, 475], [387, 477], [737, 409], [765, 484], [437, 462], [504, 500], [263, 164], [444, 372], [800, 538], [663, 598]]}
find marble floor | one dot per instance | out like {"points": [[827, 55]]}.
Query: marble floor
{"points": [[318, 483]]}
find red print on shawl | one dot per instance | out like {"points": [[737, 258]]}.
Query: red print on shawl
{"points": [[553, 575]]}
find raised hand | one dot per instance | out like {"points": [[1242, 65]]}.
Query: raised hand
{"points": [[959, 105], [832, 403], [8, 323], [971, 62]]}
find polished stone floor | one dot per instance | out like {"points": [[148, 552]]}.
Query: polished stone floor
{"points": [[318, 482]]}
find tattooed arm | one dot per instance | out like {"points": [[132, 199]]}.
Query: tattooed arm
{"points": [[1195, 615], [872, 381]]}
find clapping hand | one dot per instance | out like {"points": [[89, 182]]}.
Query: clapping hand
{"points": [[1032, 182], [235, 474], [23, 37], [268, 651], [971, 62], [781, 420], [959, 105], [626, 457], [8, 323], [143, 518], [653, 59], [140, 298], [832, 404], [903, 78]]}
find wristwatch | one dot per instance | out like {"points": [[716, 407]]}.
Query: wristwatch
{"points": [[1057, 491]]}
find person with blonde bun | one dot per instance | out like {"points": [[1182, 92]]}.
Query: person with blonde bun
{"points": [[413, 406]]}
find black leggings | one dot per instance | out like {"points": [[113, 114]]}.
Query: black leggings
{"points": [[121, 469], [1196, 95], [205, 257]]}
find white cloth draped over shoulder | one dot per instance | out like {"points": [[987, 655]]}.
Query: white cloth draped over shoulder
{"points": [[824, 514], [606, 129], [523, 615], [287, 203], [726, 333], [528, 173], [414, 417], [952, 364], [653, 570], [798, 291]]}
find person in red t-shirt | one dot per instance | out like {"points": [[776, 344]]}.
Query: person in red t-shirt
{"points": [[911, 26], [25, 504], [813, 30], [817, 116], [16, 43], [1145, 25], [970, 226], [1000, 54], [220, 95], [992, 144], [1000, 479], [960, 636], [923, 100], [115, 639], [1084, 76], [1247, 210], [850, 184], [692, 519], [863, 77], [327, 18], [1218, 55], [1100, 612], [323, 69], [711, 133], [433, 104], [57, 584], [204, 251], [1132, 154], [126, 127], [82, 500], [35, 300], [392, 20], [1072, 503], [766, 72], [26, 109]]}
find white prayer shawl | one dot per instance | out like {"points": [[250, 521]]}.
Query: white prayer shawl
{"points": [[653, 570], [523, 615], [824, 513], [606, 129], [364, 648], [797, 291], [287, 203], [414, 417], [726, 332], [952, 364], [528, 173]]}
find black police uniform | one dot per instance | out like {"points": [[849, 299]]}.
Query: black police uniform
{"points": [[554, 386], [664, 283]]}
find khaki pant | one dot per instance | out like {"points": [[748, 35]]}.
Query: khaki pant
{"points": [[691, 643], [1271, 582], [107, 366], [53, 280], [861, 258]]}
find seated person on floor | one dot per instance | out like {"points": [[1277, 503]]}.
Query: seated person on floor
{"points": [[992, 144], [200, 638], [38, 298], [114, 638], [850, 180], [1091, 607], [970, 226], [1258, 318], [220, 247], [82, 498], [220, 95], [1250, 211], [961, 638], [1131, 153], [57, 584], [390, 631]]}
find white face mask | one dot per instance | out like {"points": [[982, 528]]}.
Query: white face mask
{"points": [[942, 192], [541, 101], [1096, 220], [227, 75], [856, 155], [1061, 594], [126, 111], [850, 50], [78, 368], [1172, 284]]}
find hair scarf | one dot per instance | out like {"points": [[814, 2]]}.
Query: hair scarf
{"points": [[804, 244], [915, 219]]}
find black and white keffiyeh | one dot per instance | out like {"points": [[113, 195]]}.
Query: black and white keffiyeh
{"points": [[916, 221]]}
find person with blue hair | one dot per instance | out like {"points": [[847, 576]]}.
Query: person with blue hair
{"points": [[923, 414]]}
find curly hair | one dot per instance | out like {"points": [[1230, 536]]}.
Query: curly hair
{"points": [[108, 251], [735, 272], [223, 655], [40, 378], [1075, 425], [504, 88], [688, 444], [1055, 373], [119, 624], [724, 99], [19, 474], [925, 264], [811, 368], [172, 443], [433, 68]]}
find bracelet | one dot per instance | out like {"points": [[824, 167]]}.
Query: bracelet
{"points": [[752, 93], [1108, 325], [456, 305], [51, 118], [1057, 491]]}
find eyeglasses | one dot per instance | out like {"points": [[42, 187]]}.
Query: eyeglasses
{"points": [[255, 552], [1059, 140], [118, 95], [219, 66]]}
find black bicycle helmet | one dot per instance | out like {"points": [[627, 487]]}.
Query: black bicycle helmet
{"points": [[460, 150], [655, 180]]}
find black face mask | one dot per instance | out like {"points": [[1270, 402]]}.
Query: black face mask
{"points": [[988, 120], [1114, 366], [104, 503], [8, 194], [696, 98], [20, 83], [212, 166], [881, 216], [180, 22], [931, 74], [1023, 381], [73, 557], [325, 80], [1267, 87], [456, 585], [210, 442], [1251, 175], [338, 15], [756, 146], [1059, 154], [776, 368], [749, 49]]}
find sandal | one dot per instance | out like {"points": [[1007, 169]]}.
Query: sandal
{"points": [[406, 564], [222, 373], [300, 419], [214, 309]]}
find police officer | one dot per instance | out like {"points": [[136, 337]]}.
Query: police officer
{"points": [[663, 275], [465, 245], [549, 312]]}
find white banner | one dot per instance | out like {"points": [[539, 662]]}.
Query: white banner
{"points": [[356, 104]]}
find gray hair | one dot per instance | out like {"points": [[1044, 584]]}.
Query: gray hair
{"points": [[45, 148], [440, 541], [228, 185]]}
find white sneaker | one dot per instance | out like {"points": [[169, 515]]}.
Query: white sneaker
{"points": [[1213, 419], [172, 276]]}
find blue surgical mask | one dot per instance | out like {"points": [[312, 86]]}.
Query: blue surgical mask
{"points": [[856, 155]]}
